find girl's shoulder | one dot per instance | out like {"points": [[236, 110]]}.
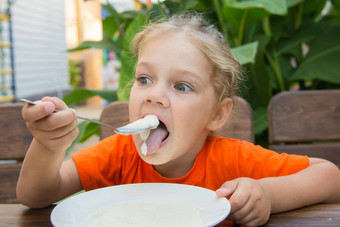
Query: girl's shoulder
{"points": [[219, 142], [221, 147]]}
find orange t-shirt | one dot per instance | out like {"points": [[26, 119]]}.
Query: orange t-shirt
{"points": [[115, 161]]}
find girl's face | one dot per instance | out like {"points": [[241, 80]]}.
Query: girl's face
{"points": [[173, 82]]}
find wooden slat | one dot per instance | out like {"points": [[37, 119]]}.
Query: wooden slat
{"points": [[329, 152], [304, 116], [9, 174], [239, 126], [116, 114], [15, 137]]}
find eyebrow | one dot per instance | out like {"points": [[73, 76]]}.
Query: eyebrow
{"points": [[180, 70], [143, 64]]}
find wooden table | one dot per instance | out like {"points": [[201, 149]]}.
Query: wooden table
{"points": [[317, 215]]}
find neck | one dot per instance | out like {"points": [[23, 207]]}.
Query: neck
{"points": [[181, 165], [173, 169]]}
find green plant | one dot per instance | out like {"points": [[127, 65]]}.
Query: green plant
{"points": [[282, 44], [86, 128], [75, 73]]}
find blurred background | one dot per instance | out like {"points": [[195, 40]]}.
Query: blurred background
{"points": [[78, 50], [35, 36]]}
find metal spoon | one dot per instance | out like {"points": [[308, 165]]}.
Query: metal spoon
{"points": [[125, 130]]}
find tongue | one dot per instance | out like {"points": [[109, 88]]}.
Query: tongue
{"points": [[155, 138]]}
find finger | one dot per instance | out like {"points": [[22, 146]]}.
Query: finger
{"points": [[228, 188], [238, 201], [253, 218], [68, 138], [241, 196], [223, 192], [58, 103], [31, 113], [54, 121], [242, 213], [57, 133], [248, 205], [255, 212]]}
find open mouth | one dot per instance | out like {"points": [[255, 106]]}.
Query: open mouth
{"points": [[163, 127], [157, 137]]}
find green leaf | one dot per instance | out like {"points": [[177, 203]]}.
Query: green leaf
{"points": [[190, 4], [286, 70], [173, 7], [81, 127], [278, 7], [314, 7], [246, 53], [258, 79], [130, 14], [236, 15], [260, 120], [128, 59], [291, 3], [106, 44], [86, 130], [77, 193], [90, 130], [110, 27], [336, 4], [293, 45], [253, 11], [78, 95], [108, 8], [180, 6], [156, 12], [322, 60]]}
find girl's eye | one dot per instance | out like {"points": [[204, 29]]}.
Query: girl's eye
{"points": [[143, 80], [183, 87]]}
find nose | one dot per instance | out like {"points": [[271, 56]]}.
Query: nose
{"points": [[157, 95]]}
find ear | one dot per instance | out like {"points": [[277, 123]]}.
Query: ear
{"points": [[220, 115]]}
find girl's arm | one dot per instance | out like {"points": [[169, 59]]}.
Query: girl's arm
{"points": [[44, 178], [319, 183], [252, 201]]}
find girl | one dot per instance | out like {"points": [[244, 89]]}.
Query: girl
{"points": [[186, 76]]}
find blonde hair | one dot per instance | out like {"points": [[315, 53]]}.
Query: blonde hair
{"points": [[226, 69]]}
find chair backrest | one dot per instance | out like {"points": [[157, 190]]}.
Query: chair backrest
{"points": [[239, 125], [14, 142], [306, 123]]}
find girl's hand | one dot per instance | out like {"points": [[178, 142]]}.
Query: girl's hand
{"points": [[250, 202], [53, 131]]}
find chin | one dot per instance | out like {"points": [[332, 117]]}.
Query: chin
{"points": [[153, 159]]}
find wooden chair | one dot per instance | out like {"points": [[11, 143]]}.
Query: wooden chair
{"points": [[306, 123], [239, 125], [14, 141]]}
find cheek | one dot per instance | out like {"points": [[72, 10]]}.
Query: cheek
{"points": [[133, 107], [133, 92], [192, 117], [137, 94], [197, 111]]}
